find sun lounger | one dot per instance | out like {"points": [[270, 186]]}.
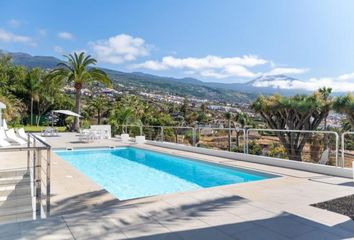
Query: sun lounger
{"points": [[11, 136], [22, 134], [4, 143], [3, 138]]}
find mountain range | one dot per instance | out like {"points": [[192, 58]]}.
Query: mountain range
{"points": [[228, 92]]}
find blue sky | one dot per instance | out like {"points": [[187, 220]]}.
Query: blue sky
{"points": [[219, 40]]}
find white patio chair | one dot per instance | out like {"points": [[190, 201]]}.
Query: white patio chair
{"points": [[49, 132], [86, 137], [11, 135]]}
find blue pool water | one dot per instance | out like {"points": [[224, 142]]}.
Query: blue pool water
{"points": [[131, 172]]}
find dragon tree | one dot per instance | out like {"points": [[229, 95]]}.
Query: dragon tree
{"points": [[345, 104], [299, 112]]}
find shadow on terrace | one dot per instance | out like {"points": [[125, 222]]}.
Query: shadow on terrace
{"points": [[219, 218]]}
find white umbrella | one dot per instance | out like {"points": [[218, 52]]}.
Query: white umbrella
{"points": [[65, 112], [2, 106]]}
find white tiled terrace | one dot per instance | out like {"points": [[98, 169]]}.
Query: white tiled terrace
{"points": [[277, 208]]}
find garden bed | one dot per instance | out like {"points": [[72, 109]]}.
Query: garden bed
{"points": [[343, 205]]}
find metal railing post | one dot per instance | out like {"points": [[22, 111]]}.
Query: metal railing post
{"points": [[337, 150], [48, 172], [194, 137], [28, 151], [246, 141], [343, 146], [162, 134], [229, 136]]}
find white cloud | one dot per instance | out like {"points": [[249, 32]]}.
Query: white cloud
{"points": [[209, 66], [14, 23], [66, 35], [286, 70], [347, 76], [42, 32], [58, 49], [6, 36], [121, 48], [338, 84]]}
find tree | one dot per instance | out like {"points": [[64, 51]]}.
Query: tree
{"points": [[14, 107], [185, 108], [77, 69], [345, 105], [31, 87], [300, 112], [204, 108], [99, 104], [122, 116], [242, 119]]}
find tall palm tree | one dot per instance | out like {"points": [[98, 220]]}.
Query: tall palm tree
{"points": [[99, 104], [121, 117], [77, 69], [32, 86], [325, 92]]}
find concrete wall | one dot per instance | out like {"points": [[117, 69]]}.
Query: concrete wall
{"points": [[310, 167]]}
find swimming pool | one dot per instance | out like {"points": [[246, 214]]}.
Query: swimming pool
{"points": [[132, 172]]}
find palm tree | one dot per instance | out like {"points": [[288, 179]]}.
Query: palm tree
{"points": [[32, 85], [242, 119], [78, 71], [99, 104], [121, 117]]}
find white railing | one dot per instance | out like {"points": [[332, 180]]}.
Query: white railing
{"points": [[317, 146], [321, 147], [38, 163], [347, 156]]}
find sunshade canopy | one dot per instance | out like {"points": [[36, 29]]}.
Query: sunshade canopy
{"points": [[67, 112]]}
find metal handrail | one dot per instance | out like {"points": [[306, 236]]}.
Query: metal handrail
{"points": [[298, 131], [34, 149], [246, 135], [343, 145]]}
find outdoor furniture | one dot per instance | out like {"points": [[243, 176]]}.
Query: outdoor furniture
{"points": [[140, 139], [4, 125], [11, 135], [49, 132], [22, 134], [86, 136], [102, 131], [3, 142], [124, 137]]}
